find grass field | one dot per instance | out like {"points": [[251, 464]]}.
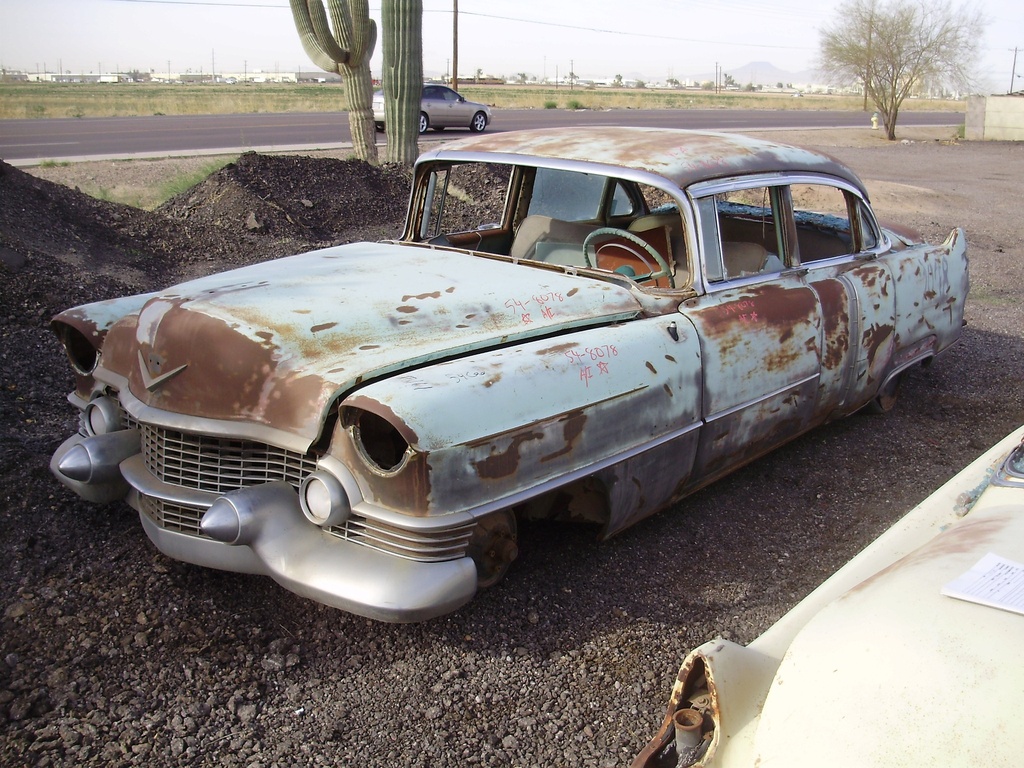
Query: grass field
{"points": [[40, 100]]}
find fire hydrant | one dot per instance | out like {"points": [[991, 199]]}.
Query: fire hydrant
{"points": [[874, 122]]}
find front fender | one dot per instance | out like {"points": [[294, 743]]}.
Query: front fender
{"points": [[489, 427]]}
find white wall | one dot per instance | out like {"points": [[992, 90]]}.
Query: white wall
{"points": [[995, 118]]}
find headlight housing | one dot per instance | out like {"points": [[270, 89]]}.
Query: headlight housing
{"points": [[81, 353], [379, 442]]}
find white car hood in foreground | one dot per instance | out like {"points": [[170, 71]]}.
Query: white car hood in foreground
{"points": [[878, 668]]}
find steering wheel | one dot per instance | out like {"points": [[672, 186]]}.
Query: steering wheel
{"points": [[608, 232]]}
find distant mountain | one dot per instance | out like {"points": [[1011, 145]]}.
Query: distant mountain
{"points": [[763, 73]]}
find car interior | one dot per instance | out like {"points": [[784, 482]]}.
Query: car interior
{"points": [[585, 220]]}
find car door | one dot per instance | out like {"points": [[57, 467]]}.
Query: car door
{"points": [[759, 325], [836, 242], [457, 111], [434, 107]]}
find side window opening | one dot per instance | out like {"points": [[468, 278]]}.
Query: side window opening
{"points": [[741, 232], [825, 226], [867, 230], [465, 198]]}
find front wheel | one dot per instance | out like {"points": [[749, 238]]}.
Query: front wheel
{"points": [[424, 122], [493, 547], [478, 123]]}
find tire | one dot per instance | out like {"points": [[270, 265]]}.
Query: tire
{"points": [[478, 123], [424, 122], [379, 127], [887, 396]]}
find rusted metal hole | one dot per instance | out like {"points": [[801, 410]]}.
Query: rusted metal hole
{"points": [[81, 353], [381, 445]]}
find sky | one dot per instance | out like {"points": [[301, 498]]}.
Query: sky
{"points": [[596, 39]]}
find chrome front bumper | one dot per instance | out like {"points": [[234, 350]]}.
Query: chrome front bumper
{"points": [[274, 538]]}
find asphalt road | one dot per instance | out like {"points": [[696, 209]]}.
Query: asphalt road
{"points": [[26, 141]]}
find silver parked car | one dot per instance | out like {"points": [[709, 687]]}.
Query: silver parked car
{"points": [[441, 108], [582, 324]]}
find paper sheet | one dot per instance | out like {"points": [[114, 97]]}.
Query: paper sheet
{"points": [[993, 581]]}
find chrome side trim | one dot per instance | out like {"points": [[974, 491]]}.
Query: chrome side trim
{"points": [[777, 393]]}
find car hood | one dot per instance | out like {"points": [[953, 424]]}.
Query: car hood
{"points": [[277, 342]]}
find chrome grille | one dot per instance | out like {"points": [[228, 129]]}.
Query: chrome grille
{"points": [[173, 517], [219, 465], [422, 547], [425, 546]]}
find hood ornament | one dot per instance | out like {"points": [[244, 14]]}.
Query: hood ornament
{"points": [[152, 375]]}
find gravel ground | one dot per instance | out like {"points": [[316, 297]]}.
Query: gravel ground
{"points": [[110, 653]]}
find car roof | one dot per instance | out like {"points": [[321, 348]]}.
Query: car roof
{"points": [[684, 157]]}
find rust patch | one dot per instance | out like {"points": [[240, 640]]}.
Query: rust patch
{"points": [[876, 337], [227, 372], [835, 322], [651, 368], [422, 296], [962, 538], [557, 349], [572, 428], [407, 309], [385, 412], [322, 327], [767, 305], [504, 463]]}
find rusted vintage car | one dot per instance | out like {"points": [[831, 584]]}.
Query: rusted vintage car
{"points": [[575, 324], [905, 656]]}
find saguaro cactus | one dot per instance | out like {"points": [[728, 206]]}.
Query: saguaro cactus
{"points": [[402, 77], [344, 45]]}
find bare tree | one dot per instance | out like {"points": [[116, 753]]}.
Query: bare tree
{"points": [[344, 45], [403, 77], [894, 46]]}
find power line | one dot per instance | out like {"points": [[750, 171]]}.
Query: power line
{"points": [[631, 34], [497, 17]]}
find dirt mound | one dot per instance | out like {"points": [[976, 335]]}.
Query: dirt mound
{"points": [[60, 247], [313, 200]]}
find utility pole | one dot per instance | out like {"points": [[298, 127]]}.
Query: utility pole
{"points": [[867, 59], [455, 45], [1013, 73]]}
